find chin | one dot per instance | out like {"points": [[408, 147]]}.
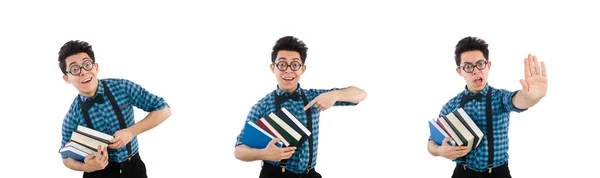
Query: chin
{"points": [[288, 86]]}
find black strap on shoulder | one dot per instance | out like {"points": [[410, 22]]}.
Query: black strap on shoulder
{"points": [[308, 113], [309, 125], [117, 111], [489, 133]]}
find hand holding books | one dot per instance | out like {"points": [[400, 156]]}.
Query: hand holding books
{"points": [[451, 152], [96, 162], [121, 138], [455, 128], [275, 153], [85, 143], [276, 135]]}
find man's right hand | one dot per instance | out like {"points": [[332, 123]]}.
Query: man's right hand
{"points": [[274, 153], [98, 161], [451, 152]]}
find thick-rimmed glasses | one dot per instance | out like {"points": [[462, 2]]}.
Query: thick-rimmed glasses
{"points": [[282, 65], [86, 65], [469, 67]]}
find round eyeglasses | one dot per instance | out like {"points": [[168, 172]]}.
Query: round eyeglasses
{"points": [[86, 65], [469, 67], [282, 65]]}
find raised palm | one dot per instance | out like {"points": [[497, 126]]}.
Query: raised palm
{"points": [[535, 83]]}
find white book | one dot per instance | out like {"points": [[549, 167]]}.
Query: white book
{"points": [[472, 124], [285, 127], [94, 134], [296, 121], [80, 147], [87, 141], [461, 129], [450, 131]]}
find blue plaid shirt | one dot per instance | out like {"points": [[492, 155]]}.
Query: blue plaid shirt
{"points": [[501, 107], [127, 94], [299, 160]]}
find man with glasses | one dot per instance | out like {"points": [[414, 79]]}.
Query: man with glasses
{"points": [[489, 108], [287, 63], [106, 105]]}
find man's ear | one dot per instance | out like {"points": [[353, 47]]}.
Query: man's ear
{"points": [[66, 78], [272, 68], [489, 65], [97, 68], [459, 71], [303, 68]]}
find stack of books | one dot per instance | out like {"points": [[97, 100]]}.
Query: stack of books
{"points": [[84, 141], [457, 125], [282, 125]]}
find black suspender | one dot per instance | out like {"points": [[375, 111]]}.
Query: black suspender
{"points": [[489, 133], [117, 111], [309, 125]]}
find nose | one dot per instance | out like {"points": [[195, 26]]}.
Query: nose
{"points": [[475, 69], [288, 69], [82, 72]]}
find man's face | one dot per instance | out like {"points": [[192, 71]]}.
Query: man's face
{"points": [[288, 78], [85, 82], [477, 79]]}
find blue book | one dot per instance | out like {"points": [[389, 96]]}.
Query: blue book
{"points": [[438, 134], [73, 152], [256, 137]]}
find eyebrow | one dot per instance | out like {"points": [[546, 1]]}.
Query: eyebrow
{"points": [[72, 63], [76, 62], [283, 58]]}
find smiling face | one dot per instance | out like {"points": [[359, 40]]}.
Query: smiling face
{"points": [[86, 82], [288, 79], [477, 79]]}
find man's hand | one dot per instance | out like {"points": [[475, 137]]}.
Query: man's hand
{"points": [[121, 138], [451, 152], [535, 84], [274, 153], [96, 162], [324, 101]]}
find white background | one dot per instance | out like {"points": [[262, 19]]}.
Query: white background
{"points": [[210, 62]]}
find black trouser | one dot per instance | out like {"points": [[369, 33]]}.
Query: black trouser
{"points": [[133, 168], [270, 171], [497, 172]]}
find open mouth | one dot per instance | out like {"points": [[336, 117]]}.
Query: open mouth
{"points": [[478, 80], [289, 79], [86, 80]]}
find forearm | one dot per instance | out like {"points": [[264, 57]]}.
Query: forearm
{"points": [[432, 148], [74, 165], [245, 153], [521, 102], [152, 120], [351, 94]]}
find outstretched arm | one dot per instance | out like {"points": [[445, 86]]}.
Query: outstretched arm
{"points": [[326, 100]]}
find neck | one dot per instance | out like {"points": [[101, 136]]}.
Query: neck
{"points": [[473, 90], [290, 90]]}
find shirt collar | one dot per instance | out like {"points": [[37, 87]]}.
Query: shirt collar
{"points": [[100, 90], [483, 92], [283, 93]]}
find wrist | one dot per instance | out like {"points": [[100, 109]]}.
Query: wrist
{"points": [[132, 131], [86, 168], [260, 154], [338, 94]]}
